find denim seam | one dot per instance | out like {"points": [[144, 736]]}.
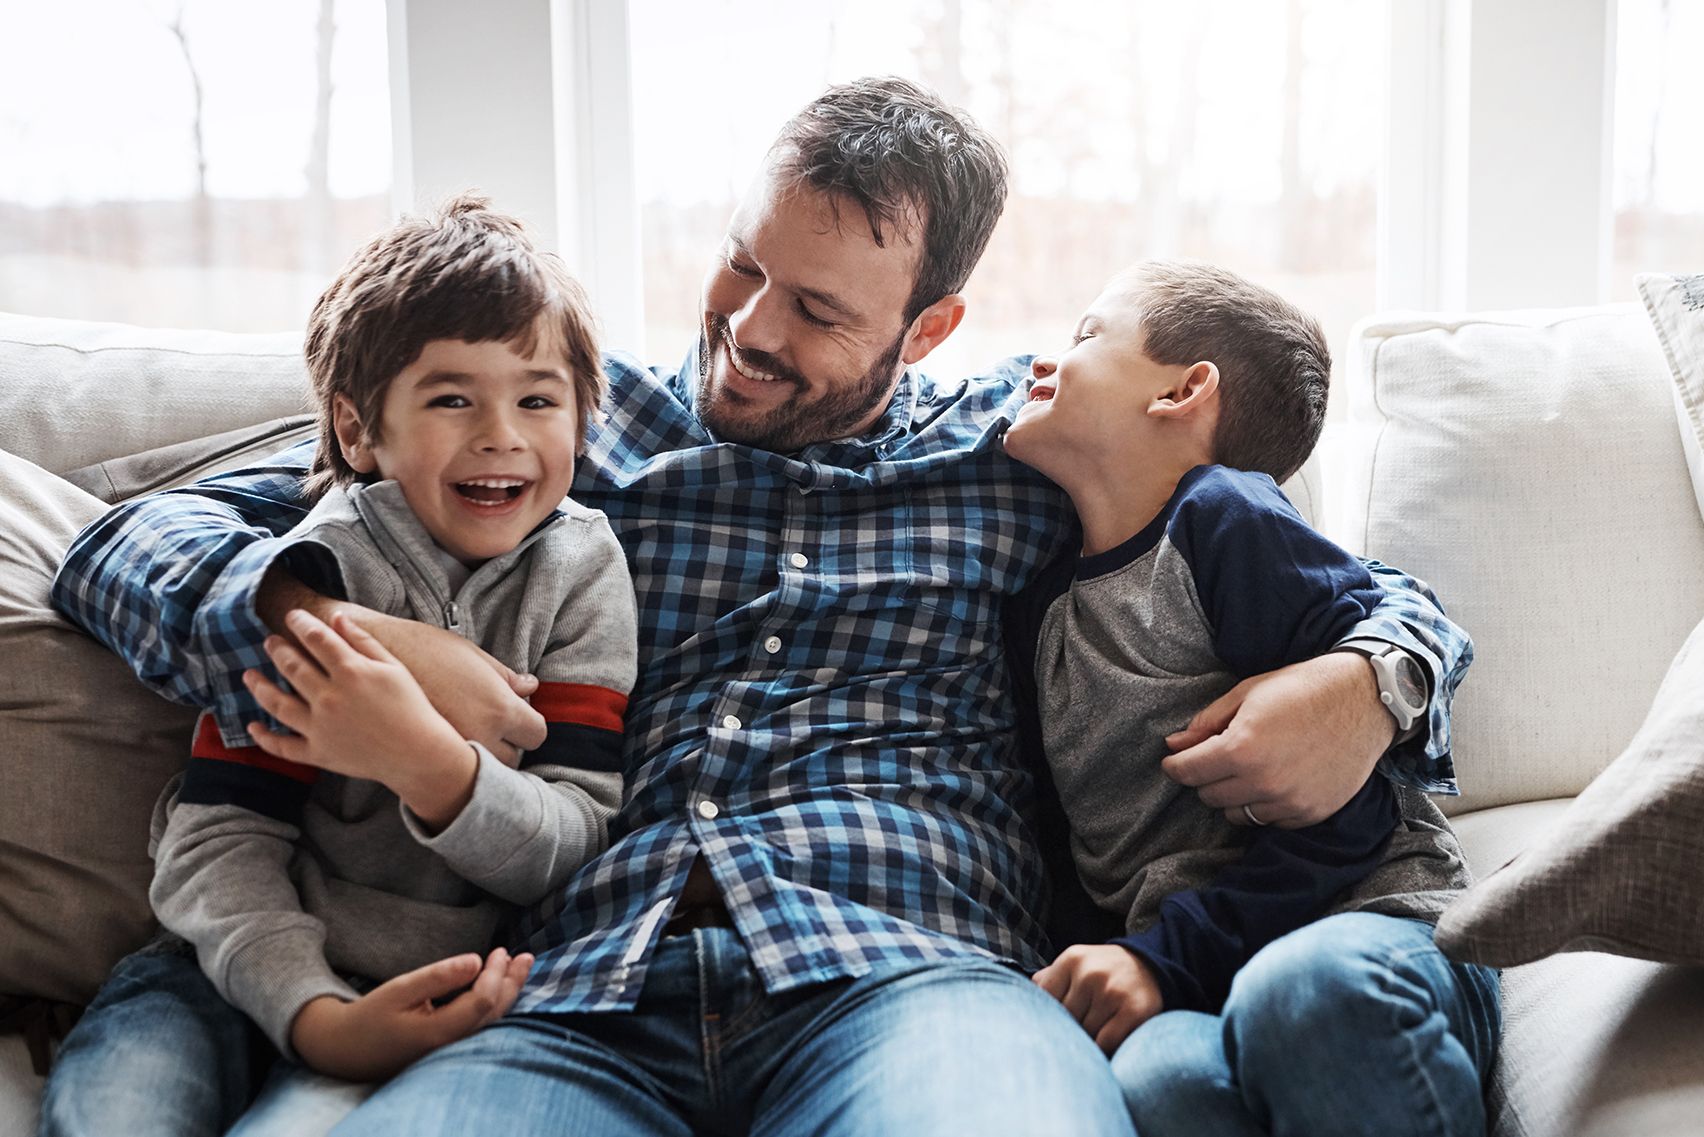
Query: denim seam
{"points": [[1383, 977]]}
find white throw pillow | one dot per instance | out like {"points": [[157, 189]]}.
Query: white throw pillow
{"points": [[1526, 465], [1676, 307]]}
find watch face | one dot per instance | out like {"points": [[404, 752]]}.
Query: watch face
{"points": [[1409, 681]]}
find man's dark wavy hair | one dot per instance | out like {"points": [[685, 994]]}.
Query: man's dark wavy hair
{"points": [[903, 156]]}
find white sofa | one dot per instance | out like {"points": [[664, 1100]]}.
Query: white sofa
{"points": [[1527, 465]]}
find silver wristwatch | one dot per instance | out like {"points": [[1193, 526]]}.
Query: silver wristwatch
{"points": [[1401, 680]]}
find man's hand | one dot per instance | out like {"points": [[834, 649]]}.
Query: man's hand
{"points": [[482, 699], [378, 1034], [1107, 988], [1293, 745]]}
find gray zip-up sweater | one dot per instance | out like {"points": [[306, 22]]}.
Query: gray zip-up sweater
{"points": [[1126, 646], [287, 879]]}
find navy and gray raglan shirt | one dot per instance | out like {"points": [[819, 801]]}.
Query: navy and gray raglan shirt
{"points": [[1123, 648]]}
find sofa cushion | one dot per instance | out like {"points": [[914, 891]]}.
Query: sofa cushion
{"points": [[1619, 873], [1527, 466], [74, 392], [84, 751], [1676, 307]]}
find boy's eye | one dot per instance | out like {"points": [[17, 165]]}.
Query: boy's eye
{"points": [[537, 402], [452, 401], [1080, 337]]}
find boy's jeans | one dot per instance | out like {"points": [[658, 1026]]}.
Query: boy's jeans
{"points": [[160, 1054], [955, 1047], [1356, 1024]]}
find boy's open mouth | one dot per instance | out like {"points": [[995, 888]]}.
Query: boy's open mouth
{"points": [[1041, 392], [491, 491]]}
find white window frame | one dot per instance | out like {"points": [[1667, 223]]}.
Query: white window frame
{"points": [[531, 102], [1500, 154]]}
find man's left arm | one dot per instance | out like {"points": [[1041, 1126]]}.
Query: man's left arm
{"points": [[1301, 740]]}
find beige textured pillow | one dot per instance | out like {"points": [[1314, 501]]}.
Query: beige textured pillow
{"points": [[1676, 308], [1623, 871], [84, 751]]}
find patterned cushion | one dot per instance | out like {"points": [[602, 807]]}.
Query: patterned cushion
{"points": [[1619, 873], [1676, 306]]}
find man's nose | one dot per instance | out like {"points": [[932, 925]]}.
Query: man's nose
{"points": [[1043, 366], [757, 323]]}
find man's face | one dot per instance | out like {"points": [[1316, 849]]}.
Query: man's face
{"points": [[803, 319]]}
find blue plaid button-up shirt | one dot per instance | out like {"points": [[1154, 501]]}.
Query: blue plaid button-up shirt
{"points": [[823, 713]]}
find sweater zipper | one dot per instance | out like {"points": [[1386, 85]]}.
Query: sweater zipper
{"points": [[452, 618]]}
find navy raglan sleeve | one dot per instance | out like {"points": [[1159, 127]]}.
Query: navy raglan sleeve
{"points": [[1275, 592]]}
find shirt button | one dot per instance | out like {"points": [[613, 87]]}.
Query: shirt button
{"points": [[732, 722], [799, 560], [772, 644], [707, 810]]}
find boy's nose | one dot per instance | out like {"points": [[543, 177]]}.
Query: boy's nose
{"points": [[1043, 366], [499, 434]]}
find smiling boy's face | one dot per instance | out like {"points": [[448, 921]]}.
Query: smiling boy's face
{"points": [[480, 438], [1093, 397]]}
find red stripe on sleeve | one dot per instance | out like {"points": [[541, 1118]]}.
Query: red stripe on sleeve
{"points": [[208, 744], [581, 704]]}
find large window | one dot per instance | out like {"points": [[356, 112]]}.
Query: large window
{"points": [[1659, 155], [1246, 132], [199, 164]]}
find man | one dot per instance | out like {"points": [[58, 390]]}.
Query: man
{"points": [[820, 901]]}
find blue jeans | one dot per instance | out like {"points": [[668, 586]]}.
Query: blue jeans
{"points": [[948, 1047], [1356, 1024], [160, 1054]]}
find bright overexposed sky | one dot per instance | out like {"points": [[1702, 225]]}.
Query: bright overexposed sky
{"points": [[95, 99]]}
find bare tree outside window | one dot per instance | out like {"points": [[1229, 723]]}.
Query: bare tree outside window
{"points": [[189, 162]]}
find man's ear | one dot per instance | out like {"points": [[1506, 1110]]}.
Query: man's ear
{"points": [[1195, 391], [932, 325], [351, 438]]}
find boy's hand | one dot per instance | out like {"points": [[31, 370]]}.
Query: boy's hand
{"points": [[1107, 988], [378, 1034], [1293, 745], [358, 712], [483, 699]]}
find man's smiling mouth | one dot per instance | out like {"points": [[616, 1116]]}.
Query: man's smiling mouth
{"points": [[745, 372]]}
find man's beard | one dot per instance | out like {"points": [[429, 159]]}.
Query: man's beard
{"points": [[792, 425]]}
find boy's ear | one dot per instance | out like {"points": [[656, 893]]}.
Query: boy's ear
{"points": [[932, 325], [1194, 392], [351, 438]]}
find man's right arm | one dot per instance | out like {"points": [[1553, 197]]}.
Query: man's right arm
{"points": [[186, 585], [170, 582]]}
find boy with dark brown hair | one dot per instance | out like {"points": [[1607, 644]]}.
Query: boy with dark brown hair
{"points": [[338, 883]]}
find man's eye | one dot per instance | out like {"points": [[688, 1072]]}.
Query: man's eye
{"points": [[537, 402], [748, 271], [452, 401], [812, 318]]}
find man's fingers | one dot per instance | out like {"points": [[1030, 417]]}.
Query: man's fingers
{"points": [[1228, 793], [433, 981], [520, 682], [1201, 764], [1053, 979], [1210, 720], [287, 709]]}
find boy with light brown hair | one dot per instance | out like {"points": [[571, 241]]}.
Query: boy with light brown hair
{"points": [[1186, 396]]}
